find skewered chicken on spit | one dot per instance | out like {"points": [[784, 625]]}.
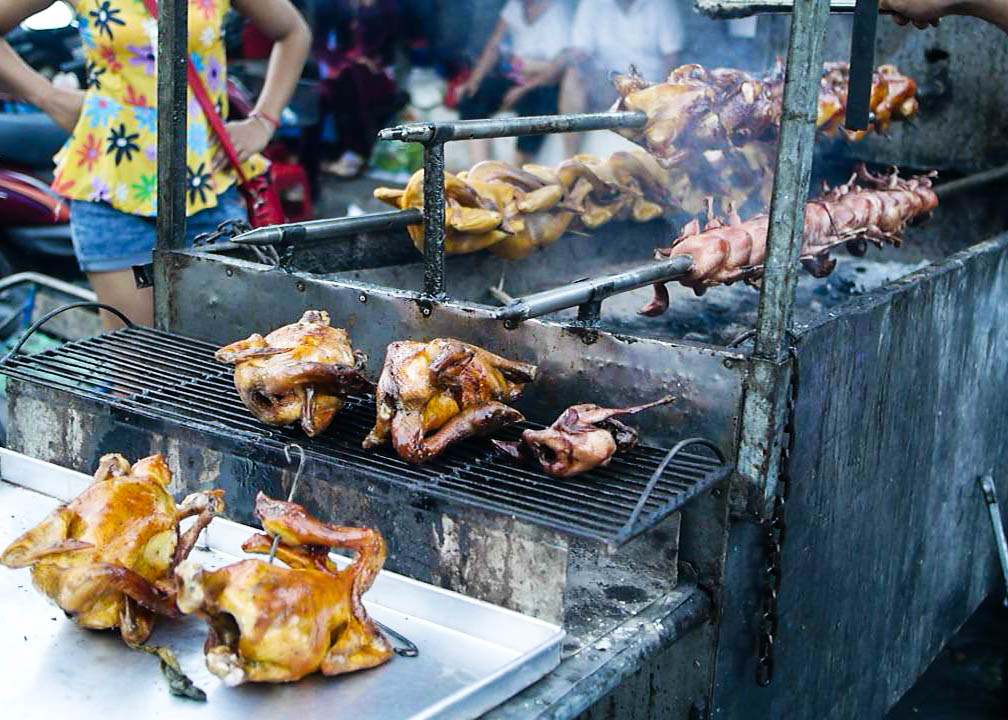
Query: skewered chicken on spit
{"points": [[868, 207], [433, 394], [695, 109], [582, 438], [270, 623], [106, 557], [300, 372]]}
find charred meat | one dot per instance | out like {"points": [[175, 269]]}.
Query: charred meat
{"points": [[433, 394], [106, 557], [298, 372], [270, 623], [582, 438]]}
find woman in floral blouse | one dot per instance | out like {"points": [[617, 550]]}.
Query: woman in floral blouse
{"points": [[108, 167]]}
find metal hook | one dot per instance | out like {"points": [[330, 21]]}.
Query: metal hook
{"points": [[410, 650], [293, 490]]}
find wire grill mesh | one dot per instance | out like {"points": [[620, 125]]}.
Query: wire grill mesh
{"points": [[175, 380]]}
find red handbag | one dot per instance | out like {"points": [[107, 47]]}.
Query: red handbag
{"points": [[260, 195]]}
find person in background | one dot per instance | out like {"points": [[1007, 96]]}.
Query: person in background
{"points": [[923, 13], [108, 167], [612, 35], [355, 50], [529, 40]]}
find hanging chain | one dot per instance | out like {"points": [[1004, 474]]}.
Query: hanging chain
{"points": [[776, 531]]}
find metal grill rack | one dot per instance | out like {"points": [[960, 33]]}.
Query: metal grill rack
{"points": [[175, 380]]}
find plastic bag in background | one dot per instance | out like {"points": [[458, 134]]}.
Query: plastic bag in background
{"points": [[394, 162]]}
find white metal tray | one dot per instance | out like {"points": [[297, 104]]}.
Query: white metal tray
{"points": [[473, 655]]}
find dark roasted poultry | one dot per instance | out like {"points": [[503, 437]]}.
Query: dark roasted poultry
{"points": [[868, 207], [433, 394], [106, 557], [270, 623], [582, 438], [298, 372]]}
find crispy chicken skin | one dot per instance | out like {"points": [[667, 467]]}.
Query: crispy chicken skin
{"points": [[300, 372], [433, 394], [582, 438], [106, 557], [270, 623]]}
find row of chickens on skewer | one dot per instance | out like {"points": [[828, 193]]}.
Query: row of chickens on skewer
{"points": [[708, 134]]}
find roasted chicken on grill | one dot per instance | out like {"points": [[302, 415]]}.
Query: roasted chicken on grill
{"points": [[302, 371], [582, 438], [433, 394], [270, 623], [868, 208], [106, 557]]}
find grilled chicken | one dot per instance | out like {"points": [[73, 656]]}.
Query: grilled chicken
{"points": [[868, 208], [433, 394], [270, 623], [106, 557], [582, 438], [298, 372]]}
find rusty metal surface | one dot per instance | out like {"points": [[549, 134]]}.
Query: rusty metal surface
{"points": [[902, 408]]}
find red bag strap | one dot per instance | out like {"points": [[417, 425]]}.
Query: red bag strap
{"points": [[203, 98]]}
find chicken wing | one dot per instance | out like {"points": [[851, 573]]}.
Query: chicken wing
{"points": [[298, 372], [433, 394]]}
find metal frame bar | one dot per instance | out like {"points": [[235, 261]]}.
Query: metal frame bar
{"points": [[728, 9], [302, 233], [764, 399]]}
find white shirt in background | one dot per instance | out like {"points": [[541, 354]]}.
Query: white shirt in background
{"points": [[542, 39], [641, 36]]}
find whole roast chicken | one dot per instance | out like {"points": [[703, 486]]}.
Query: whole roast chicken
{"points": [[433, 394], [582, 438], [301, 371], [106, 557], [270, 623]]}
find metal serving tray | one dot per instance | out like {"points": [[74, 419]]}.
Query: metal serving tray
{"points": [[473, 655]]}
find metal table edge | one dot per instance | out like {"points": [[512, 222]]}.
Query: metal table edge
{"points": [[586, 677]]}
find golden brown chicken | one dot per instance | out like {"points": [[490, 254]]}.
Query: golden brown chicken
{"points": [[433, 394], [270, 623], [584, 437], [106, 557], [300, 372]]}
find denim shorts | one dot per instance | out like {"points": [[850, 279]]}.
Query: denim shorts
{"points": [[106, 239]]}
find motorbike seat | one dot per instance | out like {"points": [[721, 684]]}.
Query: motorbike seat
{"points": [[29, 139]]}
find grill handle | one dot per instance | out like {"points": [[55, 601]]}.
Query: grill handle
{"points": [[588, 294]]}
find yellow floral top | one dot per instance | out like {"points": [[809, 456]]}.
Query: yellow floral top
{"points": [[111, 154]]}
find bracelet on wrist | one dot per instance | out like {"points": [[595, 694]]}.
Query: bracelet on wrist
{"points": [[263, 115]]}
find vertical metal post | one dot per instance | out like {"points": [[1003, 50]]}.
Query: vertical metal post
{"points": [[434, 219], [172, 50], [766, 387], [171, 128]]}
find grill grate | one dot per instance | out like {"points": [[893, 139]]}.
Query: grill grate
{"points": [[174, 379]]}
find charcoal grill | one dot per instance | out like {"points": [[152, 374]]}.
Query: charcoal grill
{"points": [[888, 539]]}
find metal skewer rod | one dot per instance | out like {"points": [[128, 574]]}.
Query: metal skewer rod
{"points": [[970, 182], [319, 230], [436, 132], [729, 9], [290, 495]]}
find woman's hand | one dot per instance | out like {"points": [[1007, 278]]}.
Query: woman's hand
{"points": [[63, 105], [469, 88], [248, 137]]}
